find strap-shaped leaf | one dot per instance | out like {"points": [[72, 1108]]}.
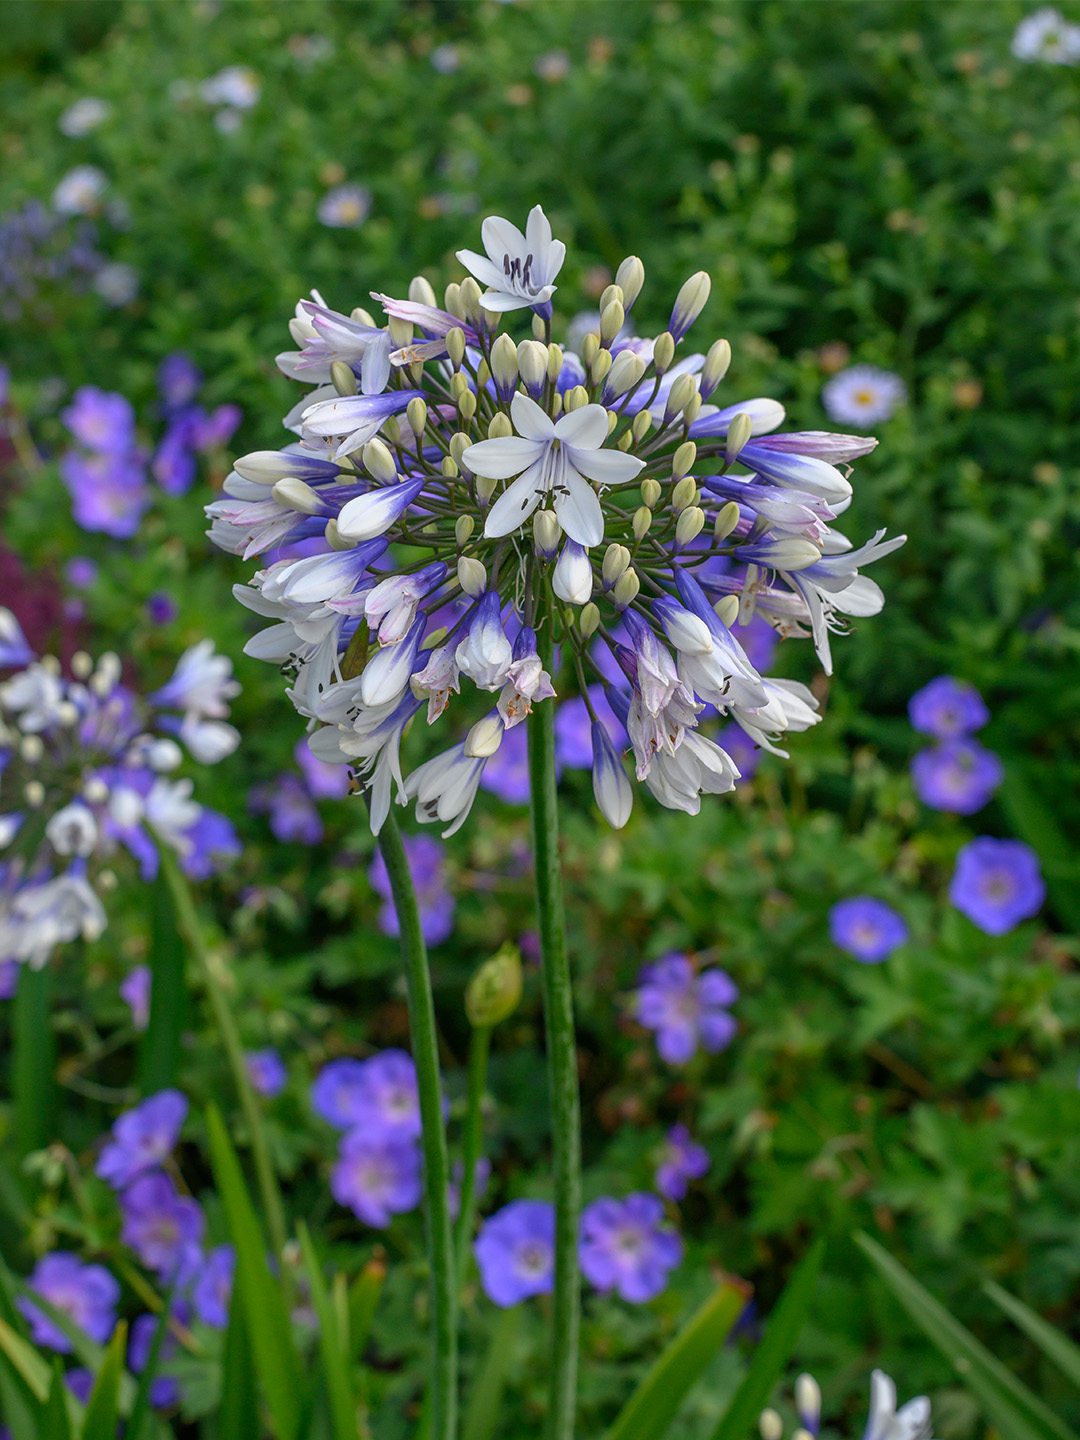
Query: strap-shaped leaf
{"points": [[1057, 1348], [25, 1361], [363, 1302], [56, 1416], [1017, 1413], [654, 1404], [239, 1415], [336, 1371], [773, 1354], [103, 1407], [276, 1360], [481, 1418]]}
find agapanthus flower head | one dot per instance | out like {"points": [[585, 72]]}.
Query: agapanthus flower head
{"points": [[88, 762], [1045, 35], [86, 1294], [685, 1008], [515, 1252], [997, 883], [681, 1161], [959, 776], [867, 928], [626, 1247], [377, 1177], [472, 500], [947, 708], [884, 1422], [863, 395], [142, 1138]]}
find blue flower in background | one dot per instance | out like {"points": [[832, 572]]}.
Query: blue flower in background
{"points": [[515, 1252], [867, 928], [376, 1177], [681, 1161], [86, 1294], [267, 1072], [427, 865], [947, 708], [625, 1247], [685, 1009], [959, 776], [997, 883], [142, 1138], [163, 1227]]}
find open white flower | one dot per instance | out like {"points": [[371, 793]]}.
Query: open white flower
{"points": [[558, 458], [886, 1422], [519, 269]]}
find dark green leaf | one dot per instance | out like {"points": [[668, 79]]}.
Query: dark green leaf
{"points": [[334, 1358], [103, 1410], [481, 1418], [239, 1415], [1057, 1348]]}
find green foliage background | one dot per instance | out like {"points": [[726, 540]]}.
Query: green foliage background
{"points": [[883, 175]]}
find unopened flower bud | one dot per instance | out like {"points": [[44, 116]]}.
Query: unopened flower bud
{"points": [[611, 293], [589, 620], [789, 554], [392, 430], [379, 463], [727, 517], [611, 321], [452, 301], [630, 277], [546, 533], [715, 368], [504, 365], [401, 331], [650, 493], [455, 345], [483, 375], [616, 560], [556, 405], [678, 396], [485, 737], [625, 440], [539, 329], [727, 610], [575, 398], [689, 525], [472, 577], [449, 467], [642, 425], [459, 443], [342, 377], [500, 427], [642, 522], [692, 408], [663, 351], [612, 421], [467, 405], [494, 991], [336, 540], [683, 494], [458, 386], [770, 1425], [81, 665], [463, 528], [689, 303], [95, 791], [554, 362], [626, 589], [808, 1402], [626, 370], [572, 578], [361, 316], [420, 292], [485, 488], [589, 346], [297, 495], [600, 366], [416, 414], [532, 366], [737, 436], [31, 748], [470, 301], [34, 794], [682, 462]]}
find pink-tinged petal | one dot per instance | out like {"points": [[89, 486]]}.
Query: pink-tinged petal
{"points": [[578, 510], [440, 322], [501, 238], [586, 428], [501, 458], [610, 467], [498, 301], [530, 421], [484, 269], [515, 504]]}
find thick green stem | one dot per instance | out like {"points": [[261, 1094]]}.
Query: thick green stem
{"points": [[33, 1061], [159, 1053], [425, 1048], [211, 970], [562, 1059], [479, 1044]]}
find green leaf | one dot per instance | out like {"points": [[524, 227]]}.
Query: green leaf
{"points": [[1008, 1403], [774, 1352], [159, 1048], [26, 1362], [239, 1415], [139, 1407], [335, 1361], [1057, 1348], [481, 1417], [103, 1409], [56, 1416], [363, 1302], [654, 1404], [276, 1360]]}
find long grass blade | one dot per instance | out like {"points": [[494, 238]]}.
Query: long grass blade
{"points": [[363, 1302], [1006, 1401], [56, 1416], [103, 1407], [481, 1418], [1057, 1348], [334, 1358], [655, 1403], [774, 1352], [26, 1363], [159, 1049], [239, 1415]]}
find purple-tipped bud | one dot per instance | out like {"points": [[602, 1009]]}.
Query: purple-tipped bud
{"points": [[611, 785]]}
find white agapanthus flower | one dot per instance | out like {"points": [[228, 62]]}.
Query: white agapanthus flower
{"points": [[80, 191], [502, 519], [863, 395], [1045, 35], [884, 1422]]}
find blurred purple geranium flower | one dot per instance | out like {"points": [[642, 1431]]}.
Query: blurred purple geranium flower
{"points": [[142, 1138], [163, 1227], [87, 1295], [958, 776], [425, 855], [376, 1178], [866, 928], [515, 1252], [624, 1248], [947, 708], [267, 1072], [685, 1009], [997, 883], [681, 1160]]}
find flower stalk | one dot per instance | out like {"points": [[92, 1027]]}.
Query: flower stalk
{"points": [[561, 1059]]}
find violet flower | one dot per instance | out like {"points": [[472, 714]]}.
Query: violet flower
{"points": [[867, 928], [377, 1177], [515, 1252], [625, 1248], [684, 1008], [681, 1161], [997, 883], [87, 1295], [142, 1138]]}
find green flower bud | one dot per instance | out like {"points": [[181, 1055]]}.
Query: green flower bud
{"points": [[692, 408], [630, 277], [715, 368], [485, 737], [379, 463], [642, 425], [467, 405], [682, 462], [626, 370], [470, 300], [663, 351], [683, 493], [626, 589], [689, 525], [642, 522], [334, 540], [650, 493], [401, 331], [455, 345], [463, 528], [504, 362], [452, 301], [555, 362], [727, 517], [611, 321], [416, 414], [459, 443], [363, 317], [546, 533], [589, 346], [616, 561], [574, 398], [449, 468], [297, 495], [539, 329], [589, 619], [472, 577], [737, 436], [679, 396], [611, 292], [600, 366], [458, 385], [391, 430], [420, 292], [495, 990], [485, 488], [343, 378], [532, 361], [727, 610], [500, 427], [483, 374]]}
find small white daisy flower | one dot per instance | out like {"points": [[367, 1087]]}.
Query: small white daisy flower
{"points": [[80, 191], [863, 395], [83, 116], [1046, 35], [345, 207]]}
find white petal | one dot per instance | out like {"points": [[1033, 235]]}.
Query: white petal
{"points": [[862, 597], [765, 414], [611, 467], [501, 238], [530, 421], [537, 232], [586, 428], [578, 510], [501, 458], [515, 504], [500, 300], [480, 266]]}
